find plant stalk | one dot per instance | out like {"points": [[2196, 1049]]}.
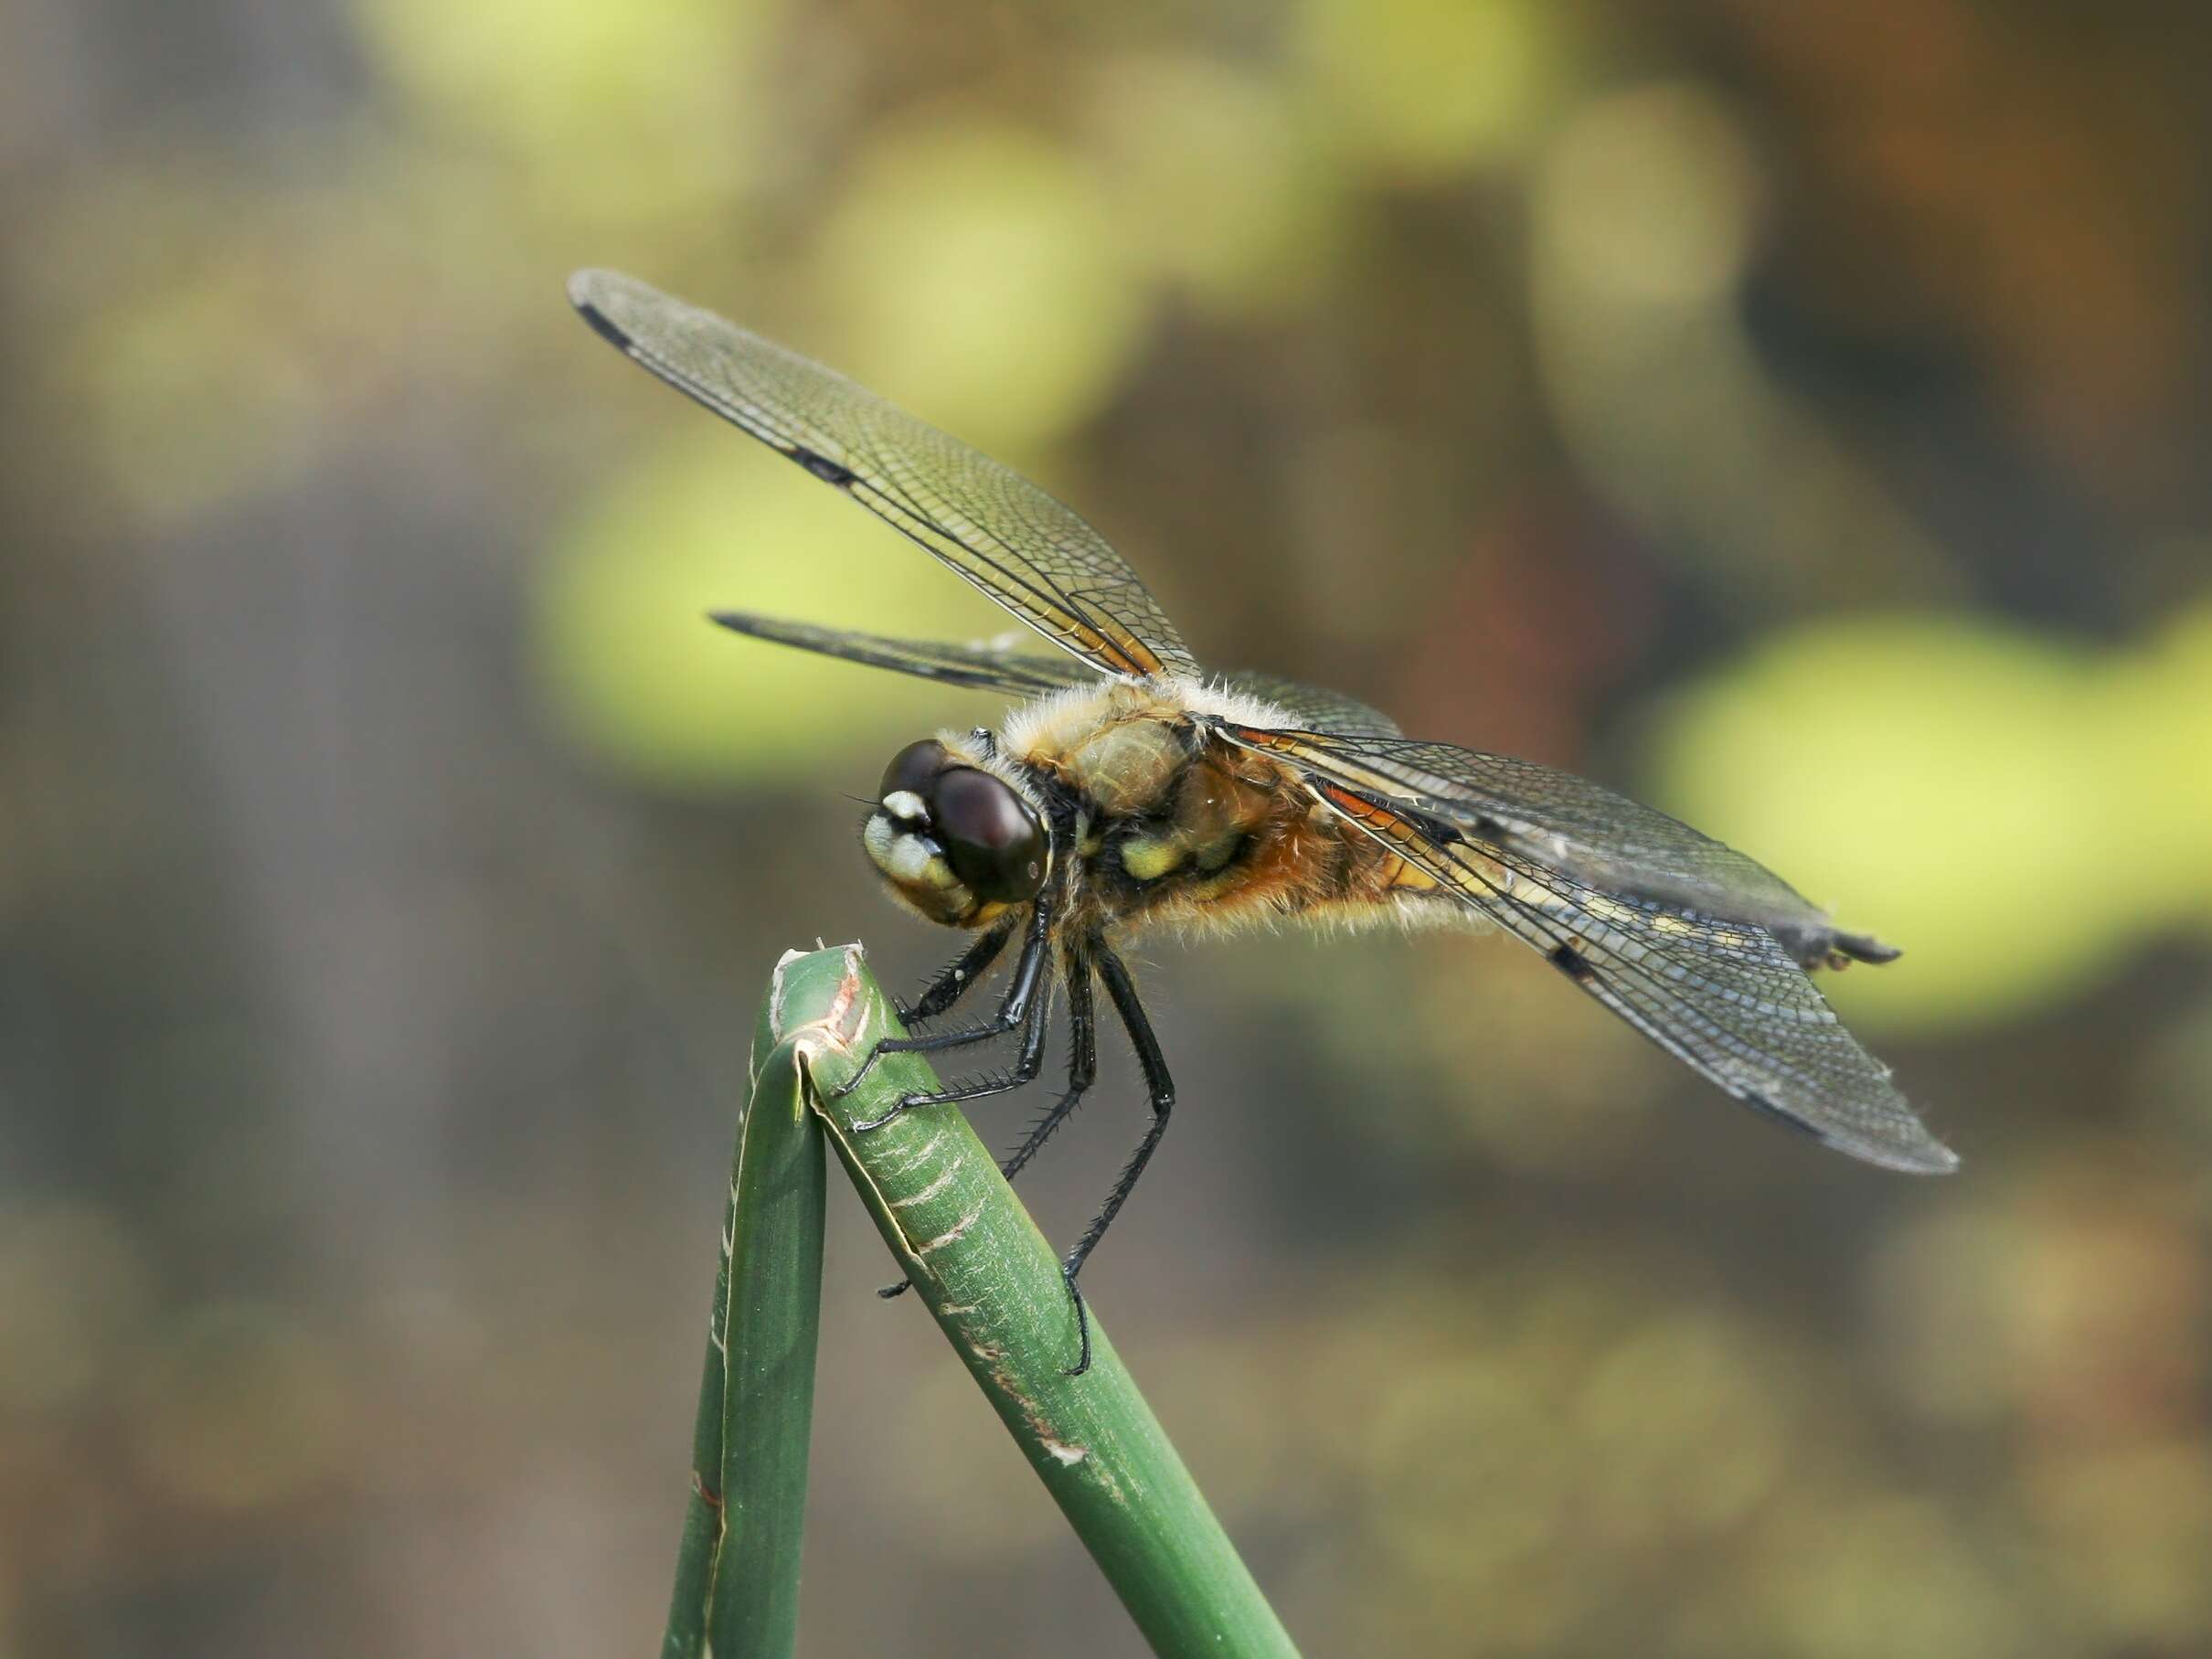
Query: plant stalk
{"points": [[995, 1287]]}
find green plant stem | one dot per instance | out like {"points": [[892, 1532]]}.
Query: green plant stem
{"points": [[993, 1285], [737, 1580]]}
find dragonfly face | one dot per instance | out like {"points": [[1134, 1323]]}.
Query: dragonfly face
{"points": [[957, 842], [1133, 791]]}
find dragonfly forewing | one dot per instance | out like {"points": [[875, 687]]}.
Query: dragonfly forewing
{"points": [[1026, 549]]}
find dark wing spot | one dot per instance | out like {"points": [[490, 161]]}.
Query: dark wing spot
{"points": [[1571, 963], [1437, 832], [602, 325], [823, 467]]}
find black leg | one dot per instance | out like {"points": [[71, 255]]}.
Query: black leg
{"points": [[1030, 1061], [1082, 1068], [958, 978], [1027, 973], [1162, 1089], [1082, 1064]]}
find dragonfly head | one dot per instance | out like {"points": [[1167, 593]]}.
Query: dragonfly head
{"points": [[955, 841]]}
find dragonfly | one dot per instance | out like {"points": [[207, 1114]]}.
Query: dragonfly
{"points": [[1132, 789]]}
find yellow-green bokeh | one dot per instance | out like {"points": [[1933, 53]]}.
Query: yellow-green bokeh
{"points": [[973, 273], [2016, 811], [632, 668]]}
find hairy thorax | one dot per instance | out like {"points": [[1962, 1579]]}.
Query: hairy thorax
{"points": [[1176, 826]]}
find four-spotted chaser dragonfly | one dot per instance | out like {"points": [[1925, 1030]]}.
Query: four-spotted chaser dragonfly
{"points": [[1133, 789]]}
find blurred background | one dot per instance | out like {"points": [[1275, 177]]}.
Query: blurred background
{"points": [[1794, 415]]}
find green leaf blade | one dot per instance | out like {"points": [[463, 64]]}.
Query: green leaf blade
{"points": [[993, 1285], [737, 1582]]}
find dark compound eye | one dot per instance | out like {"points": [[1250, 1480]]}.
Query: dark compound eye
{"points": [[914, 768], [995, 848]]}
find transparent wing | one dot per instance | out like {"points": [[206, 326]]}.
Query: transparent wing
{"points": [[1728, 997], [995, 665], [1315, 707], [1017, 544], [1559, 821], [983, 667]]}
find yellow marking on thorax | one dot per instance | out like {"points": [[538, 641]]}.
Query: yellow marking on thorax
{"points": [[1148, 857], [1241, 842]]}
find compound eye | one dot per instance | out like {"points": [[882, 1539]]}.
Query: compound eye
{"points": [[914, 769], [995, 845]]}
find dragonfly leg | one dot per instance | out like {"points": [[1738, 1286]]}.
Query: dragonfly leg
{"points": [[1082, 1064], [1082, 1068], [1031, 1060], [1028, 975], [959, 977], [1161, 1088]]}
